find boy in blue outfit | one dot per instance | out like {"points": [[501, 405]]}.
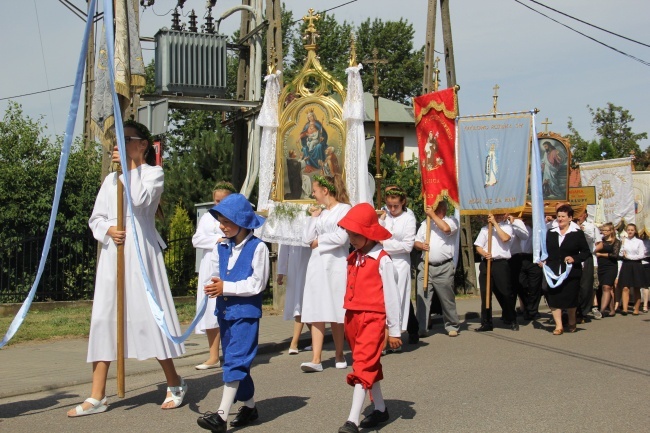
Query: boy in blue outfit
{"points": [[239, 273]]}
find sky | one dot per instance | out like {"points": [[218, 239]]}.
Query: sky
{"points": [[536, 62]]}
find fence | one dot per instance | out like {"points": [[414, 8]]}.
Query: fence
{"points": [[69, 272]]}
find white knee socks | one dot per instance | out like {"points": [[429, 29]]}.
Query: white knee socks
{"points": [[357, 403], [377, 397], [228, 398]]}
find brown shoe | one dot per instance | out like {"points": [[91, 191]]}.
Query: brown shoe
{"points": [[558, 331]]}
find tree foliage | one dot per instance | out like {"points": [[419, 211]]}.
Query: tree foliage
{"points": [[614, 137], [179, 256]]}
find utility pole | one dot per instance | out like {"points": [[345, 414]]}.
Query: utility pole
{"points": [[274, 51], [429, 47], [466, 239], [90, 83]]}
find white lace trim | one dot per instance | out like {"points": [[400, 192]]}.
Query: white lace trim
{"points": [[283, 230], [269, 120], [356, 156]]}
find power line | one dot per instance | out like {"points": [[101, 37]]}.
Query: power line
{"points": [[585, 35], [327, 10], [40, 91], [589, 24]]}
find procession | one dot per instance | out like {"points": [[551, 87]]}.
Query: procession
{"points": [[496, 232]]}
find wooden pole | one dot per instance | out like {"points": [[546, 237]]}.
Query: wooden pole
{"points": [[488, 294], [425, 282], [121, 380], [466, 240], [375, 62]]}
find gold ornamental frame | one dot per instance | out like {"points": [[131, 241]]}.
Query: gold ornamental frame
{"points": [[565, 153], [312, 133]]}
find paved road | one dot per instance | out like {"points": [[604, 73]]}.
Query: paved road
{"points": [[595, 380]]}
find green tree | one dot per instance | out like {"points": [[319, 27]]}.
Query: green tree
{"points": [[179, 255], [614, 123]]}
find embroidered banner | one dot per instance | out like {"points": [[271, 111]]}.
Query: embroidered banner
{"points": [[613, 181], [493, 154], [641, 182], [435, 115]]}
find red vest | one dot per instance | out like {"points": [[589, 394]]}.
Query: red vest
{"points": [[365, 290]]}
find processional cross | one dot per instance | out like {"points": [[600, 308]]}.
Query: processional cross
{"points": [[494, 98], [375, 61], [546, 123], [311, 31], [436, 70]]}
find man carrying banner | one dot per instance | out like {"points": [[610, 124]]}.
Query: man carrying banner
{"points": [[500, 276]]}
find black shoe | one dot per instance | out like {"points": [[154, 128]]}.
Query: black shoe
{"points": [[349, 427], [514, 326], [414, 338], [374, 419], [484, 328], [213, 422], [245, 416]]}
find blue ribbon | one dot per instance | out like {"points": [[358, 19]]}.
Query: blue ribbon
{"points": [[156, 310], [555, 280], [63, 164]]}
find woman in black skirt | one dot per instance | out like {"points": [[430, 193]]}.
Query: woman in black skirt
{"points": [[607, 257], [566, 244], [632, 275]]}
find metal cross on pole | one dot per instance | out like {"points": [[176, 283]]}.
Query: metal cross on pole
{"points": [[311, 31], [436, 71], [375, 61], [494, 98], [546, 123]]}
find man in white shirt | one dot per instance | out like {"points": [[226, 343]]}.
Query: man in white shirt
{"points": [[526, 275], [500, 283], [441, 247]]}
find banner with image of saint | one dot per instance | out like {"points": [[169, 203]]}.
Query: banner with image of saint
{"points": [[435, 115], [614, 188], [493, 163], [641, 181]]}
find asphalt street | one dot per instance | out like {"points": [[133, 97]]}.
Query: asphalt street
{"points": [[503, 381]]}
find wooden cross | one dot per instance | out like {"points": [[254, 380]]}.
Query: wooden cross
{"points": [[436, 71], [311, 29], [546, 123], [494, 98], [374, 62]]}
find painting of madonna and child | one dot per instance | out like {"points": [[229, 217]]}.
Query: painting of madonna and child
{"points": [[312, 146]]}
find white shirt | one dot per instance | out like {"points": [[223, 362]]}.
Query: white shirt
{"points": [[500, 249], [573, 227], [252, 285], [391, 291], [402, 228], [522, 238], [441, 245], [633, 249], [592, 233]]}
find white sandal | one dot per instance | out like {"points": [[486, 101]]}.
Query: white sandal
{"points": [[178, 394], [98, 406]]}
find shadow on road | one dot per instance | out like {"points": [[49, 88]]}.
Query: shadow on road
{"points": [[20, 408]]}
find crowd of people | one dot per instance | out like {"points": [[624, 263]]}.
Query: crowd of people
{"points": [[353, 272]]}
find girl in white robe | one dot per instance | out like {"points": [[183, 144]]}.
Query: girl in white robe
{"points": [[143, 337], [292, 263], [327, 268], [207, 235], [400, 221]]}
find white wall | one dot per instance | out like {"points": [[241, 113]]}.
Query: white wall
{"points": [[397, 130]]}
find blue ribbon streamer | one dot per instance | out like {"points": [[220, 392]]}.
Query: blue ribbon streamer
{"points": [[63, 164], [156, 310], [540, 253]]}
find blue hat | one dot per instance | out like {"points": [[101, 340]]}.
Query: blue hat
{"points": [[237, 209]]}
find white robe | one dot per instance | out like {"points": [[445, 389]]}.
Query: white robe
{"points": [[399, 248], [143, 337], [327, 269], [205, 239], [292, 263]]}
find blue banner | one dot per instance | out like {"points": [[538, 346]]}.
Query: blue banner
{"points": [[493, 154]]}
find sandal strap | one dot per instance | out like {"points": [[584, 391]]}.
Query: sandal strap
{"points": [[94, 401]]}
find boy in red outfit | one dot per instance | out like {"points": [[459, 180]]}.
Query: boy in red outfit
{"points": [[371, 302]]}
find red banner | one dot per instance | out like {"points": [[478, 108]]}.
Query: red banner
{"points": [[435, 127]]}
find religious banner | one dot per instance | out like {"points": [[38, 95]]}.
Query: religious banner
{"points": [[641, 182], [614, 188], [493, 154], [435, 115]]}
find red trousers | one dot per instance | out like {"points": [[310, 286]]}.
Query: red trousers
{"points": [[365, 332]]}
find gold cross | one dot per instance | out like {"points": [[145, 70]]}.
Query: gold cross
{"points": [[494, 98], [311, 32], [436, 79], [374, 62], [546, 123]]}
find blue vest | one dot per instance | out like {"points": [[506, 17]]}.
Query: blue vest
{"points": [[238, 307]]}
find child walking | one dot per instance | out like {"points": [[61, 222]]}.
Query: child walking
{"points": [[372, 303], [239, 273]]}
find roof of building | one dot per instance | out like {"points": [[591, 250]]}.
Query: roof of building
{"points": [[389, 111]]}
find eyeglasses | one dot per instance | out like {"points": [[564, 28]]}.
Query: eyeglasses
{"points": [[128, 138]]}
